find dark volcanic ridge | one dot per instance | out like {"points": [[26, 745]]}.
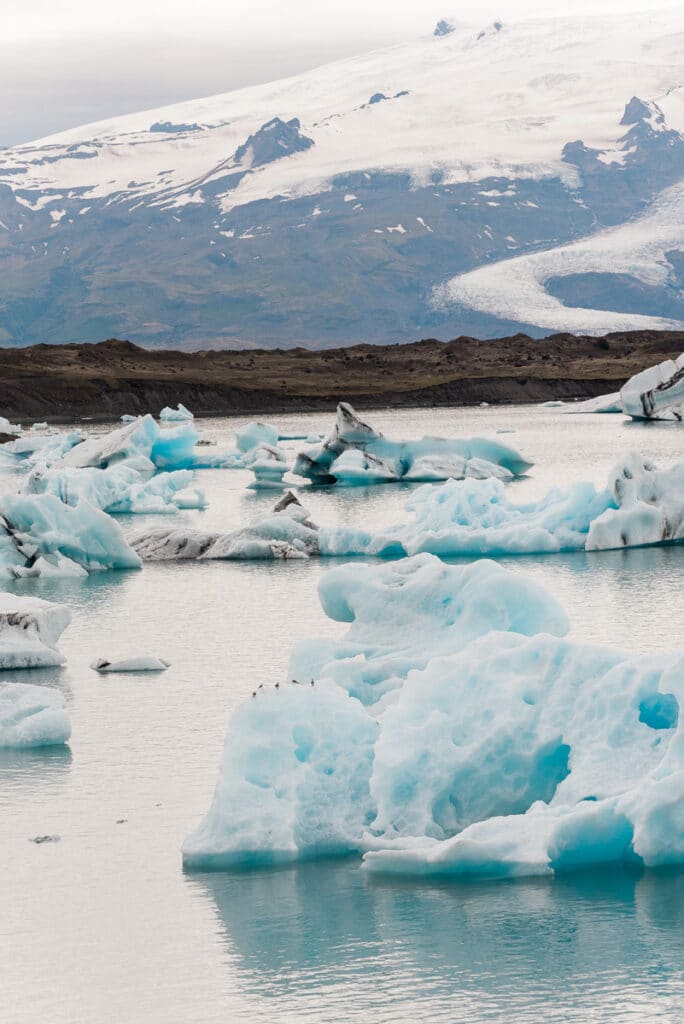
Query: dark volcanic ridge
{"points": [[107, 379]]}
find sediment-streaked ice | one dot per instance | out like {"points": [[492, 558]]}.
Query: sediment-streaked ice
{"points": [[656, 393], [40, 525], [285, 532], [354, 453], [30, 629]]}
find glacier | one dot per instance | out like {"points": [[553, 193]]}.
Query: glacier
{"points": [[454, 731], [482, 146], [656, 393], [30, 629], [32, 716], [354, 453]]}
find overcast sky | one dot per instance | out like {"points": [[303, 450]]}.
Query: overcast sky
{"points": [[67, 62]]}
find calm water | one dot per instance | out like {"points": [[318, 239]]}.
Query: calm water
{"points": [[103, 926]]}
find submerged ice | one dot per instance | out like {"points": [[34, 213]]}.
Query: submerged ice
{"points": [[453, 730]]}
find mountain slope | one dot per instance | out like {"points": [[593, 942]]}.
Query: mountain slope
{"points": [[347, 204]]}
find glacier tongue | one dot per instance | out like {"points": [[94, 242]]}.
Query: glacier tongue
{"points": [[454, 731]]}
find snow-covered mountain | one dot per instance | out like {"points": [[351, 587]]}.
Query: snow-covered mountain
{"points": [[478, 180]]}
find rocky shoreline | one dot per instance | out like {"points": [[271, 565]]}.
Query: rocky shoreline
{"points": [[105, 380]]}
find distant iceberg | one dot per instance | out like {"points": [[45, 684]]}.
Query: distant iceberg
{"points": [[656, 393], [178, 415], [602, 403], [32, 716], [354, 453], [454, 731]]}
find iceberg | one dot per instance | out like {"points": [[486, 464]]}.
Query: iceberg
{"points": [[178, 415], [30, 629], [255, 434], [656, 393], [41, 526], [43, 449], [127, 486], [32, 716], [269, 465], [640, 506], [354, 453], [285, 532], [142, 663], [602, 403], [454, 731], [170, 448]]}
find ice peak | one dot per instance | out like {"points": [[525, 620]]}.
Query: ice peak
{"points": [[444, 27]]}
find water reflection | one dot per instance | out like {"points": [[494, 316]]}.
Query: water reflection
{"points": [[46, 765], [467, 952]]}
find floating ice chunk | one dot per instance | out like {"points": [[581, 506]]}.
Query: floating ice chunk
{"points": [[42, 525], [603, 403], [49, 567], [255, 434], [355, 453], [30, 629], [640, 506], [555, 403], [649, 506], [39, 426], [127, 486], [453, 731], [285, 532], [269, 465], [656, 393], [172, 448], [127, 418], [42, 448], [178, 415], [32, 716], [142, 663], [295, 776], [101, 451], [8, 428]]}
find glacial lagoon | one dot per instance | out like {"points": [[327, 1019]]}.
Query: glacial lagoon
{"points": [[104, 925]]}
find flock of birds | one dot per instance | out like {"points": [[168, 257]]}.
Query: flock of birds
{"points": [[276, 686]]}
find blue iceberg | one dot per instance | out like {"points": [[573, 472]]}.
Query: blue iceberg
{"points": [[453, 731]]}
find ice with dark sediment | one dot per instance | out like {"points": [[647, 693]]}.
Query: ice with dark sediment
{"points": [[355, 453], [285, 532], [656, 393]]}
